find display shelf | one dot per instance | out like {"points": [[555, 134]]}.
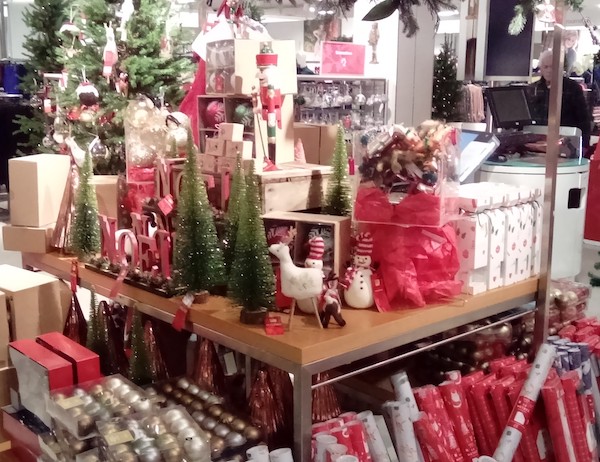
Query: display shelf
{"points": [[306, 350]]}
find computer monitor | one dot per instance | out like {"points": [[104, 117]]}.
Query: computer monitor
{"points": [[509, 107]]}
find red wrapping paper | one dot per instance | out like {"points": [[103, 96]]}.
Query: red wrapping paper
{"points": [[358, 437], [499, 394], [431, 439], [342, 435], [570, 382], [528, 444], [467, 383], [479, 392], [417, 265], [567, 332], [558, 426], [430, 401], [499, 363], [513, 369], [458, 411]]}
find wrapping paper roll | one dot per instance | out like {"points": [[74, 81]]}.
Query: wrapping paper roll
{"points": [[407, 446], [529, 440], [458, 411], [511, 437], [499, 363], [591, 397], [404, 392], [467, 383], [431, 439], [323, 442], [558, 425], [570, 383], [483, 406], [358, 435], [499, 394], [374, 440], [342, 434], [348, 416], [513, 369]]}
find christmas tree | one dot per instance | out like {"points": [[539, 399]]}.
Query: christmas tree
{"points": [[105, 69], [97, 336], [446, 89], [198, 260], [337, 200], [252, 282], [236, 198], [85, 234], [44, 19], [140, 366]]}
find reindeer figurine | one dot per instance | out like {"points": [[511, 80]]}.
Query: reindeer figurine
{"points": [[298, 283]]}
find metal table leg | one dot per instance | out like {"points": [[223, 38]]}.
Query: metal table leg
{"points": [[302, 414]]}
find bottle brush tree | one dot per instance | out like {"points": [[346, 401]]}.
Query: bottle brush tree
{"points": [[198, 259], [337, 199], [140, 365], [236, 198]]}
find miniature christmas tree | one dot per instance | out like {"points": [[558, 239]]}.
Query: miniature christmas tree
{"points": [[125, 49], [252, 282], [140, 366], [337, 200], [236, 199], [97, 336], [85, 237], [446, 89], [198, 260], [75, 324], [44, 19]]}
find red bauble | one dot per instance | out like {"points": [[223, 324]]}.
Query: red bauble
{"points": [[215, 114]]}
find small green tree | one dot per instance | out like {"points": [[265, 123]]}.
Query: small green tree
{"points": [[85, 237], [236, 199], [446, 88], [141, 371], [252, 281], [97, 337], [337, 199], [198, 259]]}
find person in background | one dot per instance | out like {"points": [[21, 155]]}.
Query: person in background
{"points": [[574, 111]]}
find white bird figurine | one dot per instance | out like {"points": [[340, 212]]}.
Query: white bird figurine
{"points": [[296, 282]]}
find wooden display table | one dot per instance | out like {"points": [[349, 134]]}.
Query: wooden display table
{"points": [[306, 350]]}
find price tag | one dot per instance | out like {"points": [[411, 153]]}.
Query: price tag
{"points": [[116, 288], [230, 364], [182, 312], [69, 403], [121, 437], [166, 204]]}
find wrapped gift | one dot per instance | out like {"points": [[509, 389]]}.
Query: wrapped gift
{"points": [[208, 163], [215, 146], [107, 194], [27, 239], [37, 184], [497, 250], [473, 246], [230, 131], [226, 164], [4, 331], [475, 197], [525, 240], [39, 371], [233, 148], [511, 246]]}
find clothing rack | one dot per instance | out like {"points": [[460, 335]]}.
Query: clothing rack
{"points": [[472, 104]]}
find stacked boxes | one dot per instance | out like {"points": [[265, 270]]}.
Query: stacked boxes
{"points": [[221, 151]]}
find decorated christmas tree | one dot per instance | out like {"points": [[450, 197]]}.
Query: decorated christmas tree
{"points": [[197, 259], [124, 50], [337, 199], [252, 283], [446, 89], [44, 19], [85, 233], [141, 371], [236, 198]]}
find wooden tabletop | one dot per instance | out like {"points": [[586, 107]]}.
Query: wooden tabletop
{"points": [[306, 343]]}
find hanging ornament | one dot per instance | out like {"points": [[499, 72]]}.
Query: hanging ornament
{"points": [[86, 116], [215, 113], [87, 93], [209, 372], [69, 28], [244, 115], [325, 403], [139, 111], [125, 13], [156, 359], [122, 84], [141, 155], [47, 141], [98, 151], [177, 133], [545, 12], [61, 128], [110, 54], [265, 413]]}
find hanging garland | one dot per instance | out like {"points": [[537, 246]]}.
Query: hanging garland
{"points": [[525, 7], [406, 9]]}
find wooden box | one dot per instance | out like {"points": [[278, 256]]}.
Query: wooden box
{"points": [[37, 184], [107, 194], [311, 140], [27, 239], [294, 187], [335, 231]]}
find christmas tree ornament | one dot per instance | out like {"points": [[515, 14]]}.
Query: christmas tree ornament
{"points": [[208, 372], [178, 125], [283, 392], [215, 114], [85, 238], [159, 368], [337, 200], [358, 288], [86, 116], [87, 93], [244, 115], [60, 128], [141, 156], [265, 412], [139, 111], [325, 403], [68, 28], [126, 11], [47, 141], [110, 55], [98, 151]]}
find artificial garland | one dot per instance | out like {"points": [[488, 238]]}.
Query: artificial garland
{"points": [[525, 7]]}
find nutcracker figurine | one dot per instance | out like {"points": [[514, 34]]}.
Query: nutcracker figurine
{"points": [[270, 94]]}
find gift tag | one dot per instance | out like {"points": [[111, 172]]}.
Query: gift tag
{"points": [[166, 204], [69, 403], [121, 437], [381, 301], [273, 325], [230, 364], [182, 311]]}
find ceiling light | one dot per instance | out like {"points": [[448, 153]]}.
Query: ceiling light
{"points": [[312, 9], [330, 11], [322, 12]]}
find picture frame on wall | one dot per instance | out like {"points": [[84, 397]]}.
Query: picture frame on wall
{"points": [[317, 31]]}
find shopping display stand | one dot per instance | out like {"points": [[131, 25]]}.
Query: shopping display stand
{"points": [[307, 350]]}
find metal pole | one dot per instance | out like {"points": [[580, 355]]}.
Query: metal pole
{"points": [[552, 153], [302, 414]]}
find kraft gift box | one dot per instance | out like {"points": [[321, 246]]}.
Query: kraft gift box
{"points": [[27, 238]]}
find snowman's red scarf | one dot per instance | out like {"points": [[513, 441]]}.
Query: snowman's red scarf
{"points": [[350, 273]]}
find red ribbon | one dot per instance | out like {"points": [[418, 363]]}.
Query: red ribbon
{"points": [[182, 312]]}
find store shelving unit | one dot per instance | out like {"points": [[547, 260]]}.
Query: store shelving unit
{"points": [[306, 350]]}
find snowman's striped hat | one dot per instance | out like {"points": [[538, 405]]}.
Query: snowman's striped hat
{"points": [[317, 248], [364, 245]]}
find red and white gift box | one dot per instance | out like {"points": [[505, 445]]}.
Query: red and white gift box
{"points": [[497, 249], [511, 245], [525, 240], [536, 255], [473, 242]]}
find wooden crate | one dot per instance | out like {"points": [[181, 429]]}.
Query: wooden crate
{"points": [[335, 231], [294, 187]]}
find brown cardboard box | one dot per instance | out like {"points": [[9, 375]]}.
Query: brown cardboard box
{"points": [[35, 301], [4, 332], [27, 238], [327, 143], [8, 381], [232, 148], [311, 140], [37, 184], [107, 194]]}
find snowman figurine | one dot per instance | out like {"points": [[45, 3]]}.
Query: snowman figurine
{"points": [[313, 260], [358, 289]]}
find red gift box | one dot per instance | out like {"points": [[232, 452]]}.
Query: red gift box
{"points": [[39, 371], [85, 363]]}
